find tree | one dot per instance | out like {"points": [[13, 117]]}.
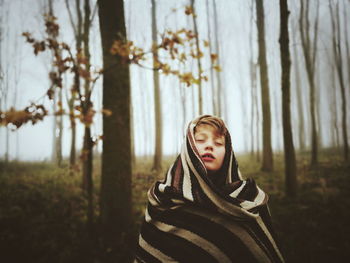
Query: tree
{"points": [[157, 161], [254, 98], [217, 52], [267, 161], [289, 153], [82, 35], [299, 99], [115, 200], [337, 54], [199, 54], [309, 50], [58, 119], [77, 28]]}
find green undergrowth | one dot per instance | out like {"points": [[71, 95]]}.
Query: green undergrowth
{"points": [[43, 210]]}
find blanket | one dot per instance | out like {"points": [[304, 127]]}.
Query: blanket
{"points": [[191, 217]]}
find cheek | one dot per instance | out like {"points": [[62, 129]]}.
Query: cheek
{"points": [[221, 155], [199, 148]]}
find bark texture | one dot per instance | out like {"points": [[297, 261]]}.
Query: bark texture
{"points": [[115, 204], [157, 160], [289, 153], [267, 158]]}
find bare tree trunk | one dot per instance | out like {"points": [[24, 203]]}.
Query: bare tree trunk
{"points": [[58, 119], [253, 72], [199, 64], [346, 21], [78, 31], [333, 109], [211, 78], [115, 215], [337, 50], [300, 104], [267, 162], [60, 133], [310, 59], [2, 86], [88, 143], [289, 154], [218, 74], [157, 161]]}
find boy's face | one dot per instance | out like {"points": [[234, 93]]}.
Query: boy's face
{"points": [[211, 147]]}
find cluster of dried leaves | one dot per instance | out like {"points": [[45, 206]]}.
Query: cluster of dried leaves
{"points": [[64, 62], [32, 113], [180, 45]]}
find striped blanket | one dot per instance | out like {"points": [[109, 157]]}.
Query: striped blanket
{"points": [[192, 218]]}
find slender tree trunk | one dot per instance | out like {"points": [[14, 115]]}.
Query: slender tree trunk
{"points": [[318, 110], [267, 162], [310, 59], [88, 143], [115, 215], [219, 90], [157, 161], [300, 105], [337, 50], [60, 133], [213, 89], [77, 28], [253, 67], [199, 64], [58, 119], [289, 154], [346, 36], [54, 128], [333, 109]]}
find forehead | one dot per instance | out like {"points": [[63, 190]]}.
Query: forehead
{"points": [[207, 130]]}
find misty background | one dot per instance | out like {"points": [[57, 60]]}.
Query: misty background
{"points": [[25, 76]]}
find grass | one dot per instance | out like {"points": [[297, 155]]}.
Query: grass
{"points": [[43, 219]]}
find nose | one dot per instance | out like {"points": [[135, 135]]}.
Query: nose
{"points": [[209, 145]]}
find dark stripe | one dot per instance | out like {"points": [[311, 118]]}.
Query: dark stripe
{"points": [[217, 234], [249, 192], [164, 199], [144, 256], [175, 247], [198, 194], [262, 240]]}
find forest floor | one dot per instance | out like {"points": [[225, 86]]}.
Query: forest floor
{"points": [[43, 219]]}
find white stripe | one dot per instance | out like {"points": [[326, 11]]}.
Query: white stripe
{"points": [[152, 198], [168, 180], [236, 192], [260, 197], [257, 201], [186, 184], [154, 252], [148, 218], [240, 174], [229, 176], [195, 239]]}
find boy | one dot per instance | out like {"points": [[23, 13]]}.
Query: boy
{"points": [[203, 211]]}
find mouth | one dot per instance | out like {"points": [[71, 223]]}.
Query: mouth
{"points": [[208, 157]]}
